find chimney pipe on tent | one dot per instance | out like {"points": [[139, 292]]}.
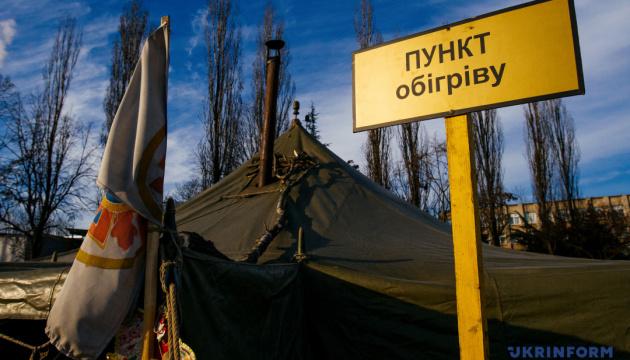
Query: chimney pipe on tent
{"points": [[268, 132]]}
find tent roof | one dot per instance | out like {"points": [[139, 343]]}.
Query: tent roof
{"points": [[348, 220]]}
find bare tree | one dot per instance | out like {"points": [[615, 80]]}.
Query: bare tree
{"points": [[10, 107], [220, 150], [271, 28], [566, 154], [310, 121], [488, 138], [366, 33], [9, 99], [415, 170], [42, 177], [440, 201], [132, 30], [377, 149], [187, 190], [540, 158]]}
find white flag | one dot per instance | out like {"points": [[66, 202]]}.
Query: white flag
{"points": [[133, 162], [104, 280]]}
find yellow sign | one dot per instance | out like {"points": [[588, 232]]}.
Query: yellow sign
{"points": [[524, 53]]}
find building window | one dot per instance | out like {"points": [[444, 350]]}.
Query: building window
{"points": [[515, 219], [531, 217]]}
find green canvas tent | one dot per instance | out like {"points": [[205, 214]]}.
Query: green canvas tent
{"points": [[378, 281]]}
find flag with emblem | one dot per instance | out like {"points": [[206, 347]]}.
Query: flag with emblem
{"points": [[105, 278]]}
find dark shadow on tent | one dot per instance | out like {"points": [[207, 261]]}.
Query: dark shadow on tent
{"points": [[322, 178], [240, 311], [346, 321], [294, 311]]}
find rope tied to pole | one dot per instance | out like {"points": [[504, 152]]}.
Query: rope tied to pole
{"points": [[168, 287], [169, 271]]}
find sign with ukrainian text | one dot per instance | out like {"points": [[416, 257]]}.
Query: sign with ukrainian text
{"points": [[524, 53]]}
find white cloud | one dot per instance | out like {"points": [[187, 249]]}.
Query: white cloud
{"points": [[603, 37], [180, 155], [602, 178], [249, 33], [185, 91], [7, 33], [44, 11], [604, 138], [198, 24], [90, 78]]}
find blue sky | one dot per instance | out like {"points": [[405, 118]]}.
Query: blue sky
{"points": [[321, 37]]}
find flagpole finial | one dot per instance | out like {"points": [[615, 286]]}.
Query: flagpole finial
{"points": [[164, 20]]}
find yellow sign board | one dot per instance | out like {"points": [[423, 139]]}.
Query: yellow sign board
{"points": [[520, 54]]}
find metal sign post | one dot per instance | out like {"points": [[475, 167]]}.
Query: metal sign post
{"points": [[471, 319]]}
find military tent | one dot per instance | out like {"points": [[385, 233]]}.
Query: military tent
{"points": [[378, 279]]}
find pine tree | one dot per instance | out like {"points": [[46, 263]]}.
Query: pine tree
{"points": [[310, 120]]}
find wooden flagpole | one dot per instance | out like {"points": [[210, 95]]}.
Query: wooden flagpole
{"points": [[471, 319], [150, 291], [151, 269]]}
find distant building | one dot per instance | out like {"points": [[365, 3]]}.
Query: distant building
{"points": [[526, 214], [12, 245]]}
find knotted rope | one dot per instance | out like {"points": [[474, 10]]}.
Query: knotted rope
{"points": [[172, 317]]}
